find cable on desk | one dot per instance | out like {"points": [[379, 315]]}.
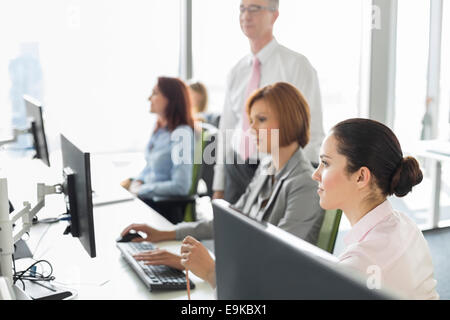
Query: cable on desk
{"points": [[31, 274], [14, 272], [61, 217]]}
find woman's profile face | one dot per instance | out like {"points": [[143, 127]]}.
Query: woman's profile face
{"points": [[265, 126], [336, 187], [158, 102]]}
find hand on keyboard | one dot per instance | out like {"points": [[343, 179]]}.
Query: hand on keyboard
{"points": [[156, 277], [160, 257], [152, 234]]}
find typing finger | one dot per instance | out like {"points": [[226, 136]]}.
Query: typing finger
{"points": [[152, 253], [157, 262]]}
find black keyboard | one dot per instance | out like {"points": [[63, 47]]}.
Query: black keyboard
{"points": [[156, 278]]}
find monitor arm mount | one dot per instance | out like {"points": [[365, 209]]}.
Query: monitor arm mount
{"points": [[16, 134], [7, 238]]}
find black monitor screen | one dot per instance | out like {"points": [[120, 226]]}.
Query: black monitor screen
{"points": [[260, 261], [34, 114], [78, 193]]}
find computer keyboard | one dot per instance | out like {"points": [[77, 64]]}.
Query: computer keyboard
{"points": [[154, 277]]}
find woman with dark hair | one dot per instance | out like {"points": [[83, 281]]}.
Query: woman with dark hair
{"points": [[169, 153], [361, 164]]}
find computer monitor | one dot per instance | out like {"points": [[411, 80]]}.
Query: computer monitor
{"points": [[34, 114], [78, 194], [259, 261]]}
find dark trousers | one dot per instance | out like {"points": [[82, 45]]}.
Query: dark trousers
{"points": [[237, 178], [171, 211]]}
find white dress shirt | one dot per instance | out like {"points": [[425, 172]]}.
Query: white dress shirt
{"points": [[278, 64], [387, 247]]}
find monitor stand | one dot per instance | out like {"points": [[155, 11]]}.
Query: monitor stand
{"points": [[21, 250], [37, 290], [42, 290]]}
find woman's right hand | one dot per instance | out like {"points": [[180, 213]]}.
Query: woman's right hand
{"points": [[196, 258], [152, 234], [126, 183]]}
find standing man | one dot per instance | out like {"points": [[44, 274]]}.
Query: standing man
{"points": [[269, 62]]}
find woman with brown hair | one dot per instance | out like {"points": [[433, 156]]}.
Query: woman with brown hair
{"points": [[361, 164], [164, 174], [199, 96], [282, 192]]}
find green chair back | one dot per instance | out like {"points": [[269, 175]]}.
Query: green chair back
{"points": [[329, 230], [189, 212]]}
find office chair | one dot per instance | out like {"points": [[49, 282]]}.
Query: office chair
{"points": [[182, 208], [214, 119], [329, 229], [207, 173]]}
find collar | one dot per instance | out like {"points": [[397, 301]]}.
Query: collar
{"points": [[161, 129], [292, 163], [264, 54], [368, 222]]}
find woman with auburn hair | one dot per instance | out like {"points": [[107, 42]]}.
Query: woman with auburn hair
{"points": [[361, 164], [281, 193], [164, 175]]}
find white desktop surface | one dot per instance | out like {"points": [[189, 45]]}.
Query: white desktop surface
{"points": [[107, 276]]}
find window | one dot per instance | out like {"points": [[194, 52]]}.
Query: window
{"points": [[334, 36], [217, 44], [334, 40], [100, 60], [444, 100], [411, 74]]}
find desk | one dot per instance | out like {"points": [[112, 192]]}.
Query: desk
{"points": [[107, 276], [437, 151]]}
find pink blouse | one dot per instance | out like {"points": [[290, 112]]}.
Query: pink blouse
{"points": [[390, 250]]}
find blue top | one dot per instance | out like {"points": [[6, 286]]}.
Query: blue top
{"points": [[169, 157]]}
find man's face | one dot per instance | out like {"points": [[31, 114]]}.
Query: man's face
{"points": [[257, 24]]}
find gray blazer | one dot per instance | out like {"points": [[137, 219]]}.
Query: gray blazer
{"points": [[293, 204]]}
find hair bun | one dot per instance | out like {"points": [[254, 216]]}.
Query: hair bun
{"points": [[406, 176]]}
